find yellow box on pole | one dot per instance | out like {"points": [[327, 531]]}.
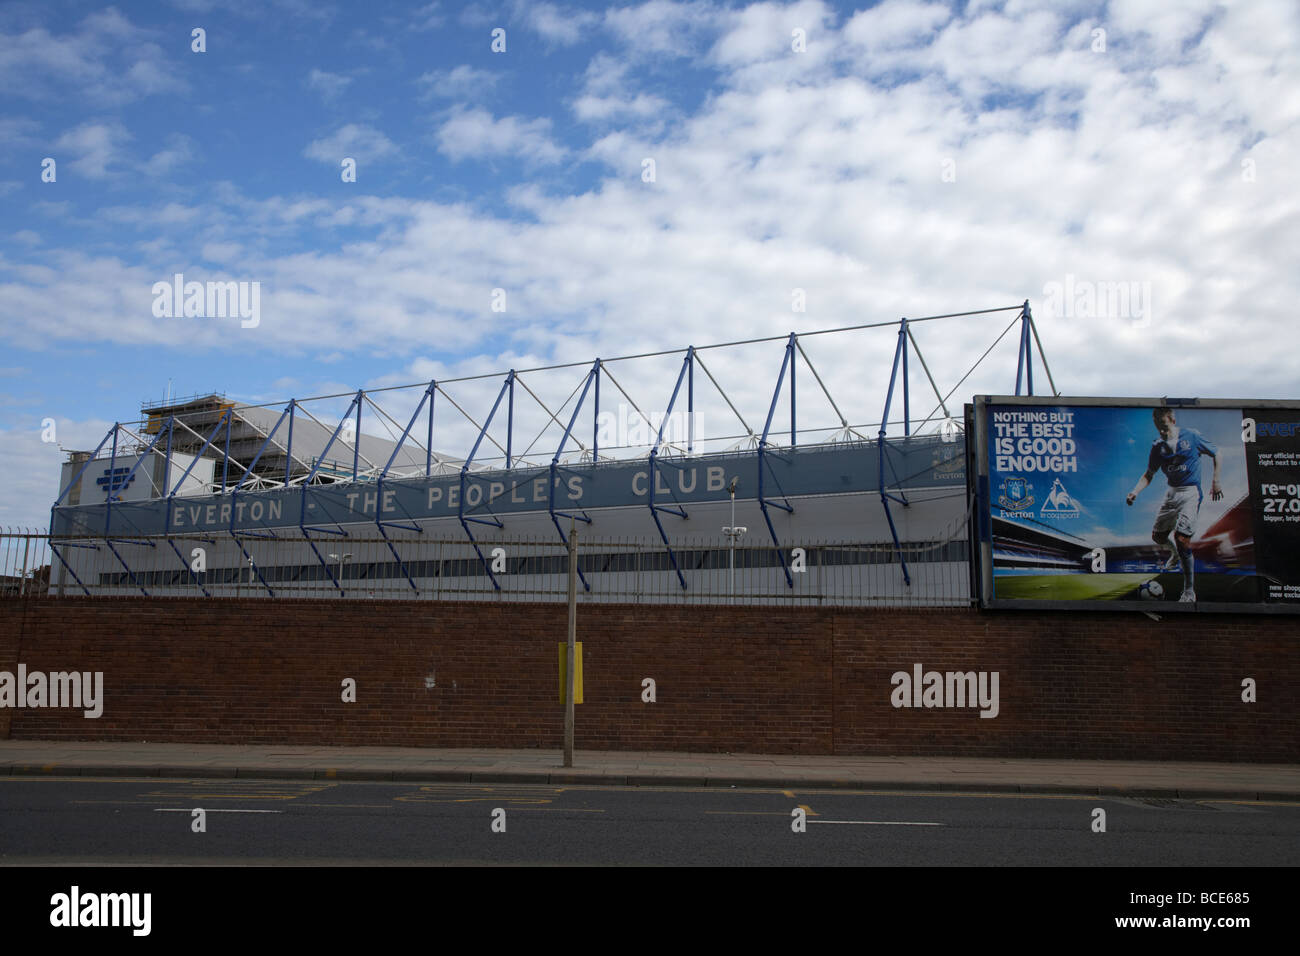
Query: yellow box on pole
{"points": [[577, 670]]}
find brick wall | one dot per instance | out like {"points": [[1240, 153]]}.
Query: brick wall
{"points": [[727, 679]]}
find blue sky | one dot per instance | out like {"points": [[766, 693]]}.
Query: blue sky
{"points": [[911, 158]]}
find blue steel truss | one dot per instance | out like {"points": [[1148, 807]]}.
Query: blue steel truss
{"points": [[890, 489]]}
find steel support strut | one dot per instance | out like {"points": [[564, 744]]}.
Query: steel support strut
{"points": [[506, 386], [222, 422], [306, 482], [234, 492], [1025, 358], [592, 376], [882, 446], [167, 517], [429, 393], [108, 509], [786, 362], [54, 549], [687, 362]]}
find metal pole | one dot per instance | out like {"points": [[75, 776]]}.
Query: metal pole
{"points": [[22, 578], [573, 637], [732, 536]]}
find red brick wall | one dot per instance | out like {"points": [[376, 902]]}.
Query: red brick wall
{"points": [[728, 679]]}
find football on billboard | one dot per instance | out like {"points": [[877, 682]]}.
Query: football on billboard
{"points": [[1151, 590]]}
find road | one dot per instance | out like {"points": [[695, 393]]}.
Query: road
{"points": [[151, 821]]}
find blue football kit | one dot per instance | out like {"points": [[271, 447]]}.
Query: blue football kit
{"points": [[1181, 463]]}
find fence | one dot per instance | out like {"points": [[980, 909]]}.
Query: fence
{"points": [[24, 562], [625, 570]]}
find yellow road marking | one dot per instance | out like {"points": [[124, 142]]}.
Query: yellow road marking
{"points": [[462, 794], [879, 823], [808, 810], [187, 797], [788, 793], [206, 790]]}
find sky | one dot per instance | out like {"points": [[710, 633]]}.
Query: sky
{"points": [[418, 191]]}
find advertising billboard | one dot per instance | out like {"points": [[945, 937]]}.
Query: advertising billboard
{"points": [[1169, 504]]}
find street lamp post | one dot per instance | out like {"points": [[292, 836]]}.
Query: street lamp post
{"points": [[341, 558], [732, 532]]}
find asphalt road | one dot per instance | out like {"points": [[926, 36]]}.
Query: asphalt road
{"points": [[150, 821]]}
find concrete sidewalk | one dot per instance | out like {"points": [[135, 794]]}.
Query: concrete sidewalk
{"points": [[629, 768]]}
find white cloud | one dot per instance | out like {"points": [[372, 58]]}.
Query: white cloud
{"points": [[477, 15], [821, 171], [180, 150], [328, 85], [222, 251], [36, 465], [356, 140], [662, 27], [765, 31], [461, 83], [104, 59], [598, 108], [426, 18], [17, 130], [94, 148], [896, 23], [606, 94], [475, 133], [557, 24]]}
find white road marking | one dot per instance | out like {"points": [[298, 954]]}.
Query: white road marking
{"points": [[212, 810]]}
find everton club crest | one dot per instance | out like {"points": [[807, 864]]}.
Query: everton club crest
{"points": [[1017, 495]]}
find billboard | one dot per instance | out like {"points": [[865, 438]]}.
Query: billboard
{"points": [[1145, 503]]}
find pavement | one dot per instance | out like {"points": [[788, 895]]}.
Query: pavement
{"points": [[1176, 780]]}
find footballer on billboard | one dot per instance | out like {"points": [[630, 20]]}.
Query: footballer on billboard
{"points": [[1182, 503]]}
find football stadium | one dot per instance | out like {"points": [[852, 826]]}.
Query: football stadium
{"points": [[203, 495], [358, 494]]}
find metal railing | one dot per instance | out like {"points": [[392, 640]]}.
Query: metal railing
{"points": [[415, 567], [24, 562]]}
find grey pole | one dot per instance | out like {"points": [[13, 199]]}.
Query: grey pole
{"points": [[731, 533], [573, 637], [22, 578]]}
